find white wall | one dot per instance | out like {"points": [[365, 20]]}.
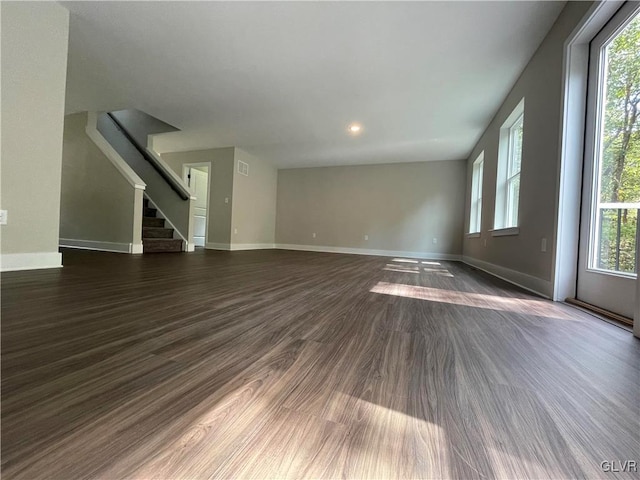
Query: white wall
{"points": [[99, 208], [519, 257], [254, 203], [34, 61], [401, 207], [221, 188]]}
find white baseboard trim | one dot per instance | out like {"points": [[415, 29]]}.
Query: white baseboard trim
{"points": [[239, 246], [100, 246], [536, 285], [217, 246], [252, 246], [137, 248], [366, 251], [10, 262]]}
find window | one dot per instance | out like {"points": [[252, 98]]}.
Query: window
{"points": [[509, 163], [475, 219]]}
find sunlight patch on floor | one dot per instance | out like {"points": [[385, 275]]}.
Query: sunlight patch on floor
{"points": [[432, 268], [404, 267], [389, 269], [378, 455], [404, 260], [493, 302]]}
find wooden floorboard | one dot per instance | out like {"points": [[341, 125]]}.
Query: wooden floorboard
{"points": [[280, 364]]}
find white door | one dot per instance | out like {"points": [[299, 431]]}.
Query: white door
{"points": [[198, 181], [611, 188]]}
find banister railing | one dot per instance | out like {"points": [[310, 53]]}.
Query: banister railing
{"points": [[175, 186]]}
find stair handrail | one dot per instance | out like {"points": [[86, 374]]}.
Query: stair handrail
{"points": [[105, 147], [175, 186]]}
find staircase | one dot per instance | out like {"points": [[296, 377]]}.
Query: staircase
{"points": [[155, 237]]}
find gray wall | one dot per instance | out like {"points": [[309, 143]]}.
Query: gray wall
{"points": [[401, 207], [97, 202], [219, 228], [254, 202], [541, 86], [140, 124], [34, 63]]}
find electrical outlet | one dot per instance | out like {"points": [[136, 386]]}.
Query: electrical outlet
{"points": [[235, 231], [3, 217], [484, 242], [366, 237], [543, 245], [435, 241], [226, 199], [313, 234]]}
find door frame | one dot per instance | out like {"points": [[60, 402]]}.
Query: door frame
{"points": [[185, 168], [571, 151], [575, 71], [593, 278]]}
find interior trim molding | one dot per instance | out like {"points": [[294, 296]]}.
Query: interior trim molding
{"points": [[536, 285], [169, 171], [105, 147], [575, 72], [505, 232], [100, 246], [366, 251], [10, 262], [252, 246]]}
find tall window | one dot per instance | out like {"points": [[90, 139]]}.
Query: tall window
{"points": [[616, 182], [509, 163], [475, 219]]}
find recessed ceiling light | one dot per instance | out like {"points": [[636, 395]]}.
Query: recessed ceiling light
{"points": [[355, 128]]}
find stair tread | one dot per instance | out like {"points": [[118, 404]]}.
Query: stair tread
{"points": [[162, 245], [154, 221], [157, 232], [156, 237]]}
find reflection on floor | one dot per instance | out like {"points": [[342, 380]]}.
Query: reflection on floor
{"points": [[276, 364]]}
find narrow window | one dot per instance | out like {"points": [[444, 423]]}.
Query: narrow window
{"points": [[509, 163], [475, 219], [616, 179]]}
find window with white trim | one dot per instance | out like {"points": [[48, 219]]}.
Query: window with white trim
{"points": [[509, 163], [475, 218]]}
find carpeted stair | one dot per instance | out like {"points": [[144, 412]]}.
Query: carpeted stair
{"points": [[156, 238]]}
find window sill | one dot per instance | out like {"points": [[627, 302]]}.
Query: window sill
{"points": [[505, 232], [473, 235]]}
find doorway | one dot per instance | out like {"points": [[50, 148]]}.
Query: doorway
{"points": [[198, 178], [607, 263]]}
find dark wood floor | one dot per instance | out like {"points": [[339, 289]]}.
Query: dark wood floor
{"points": [[276, 364]]}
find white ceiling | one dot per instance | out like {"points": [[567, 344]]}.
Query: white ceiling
{"points": [[283, 80]]}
